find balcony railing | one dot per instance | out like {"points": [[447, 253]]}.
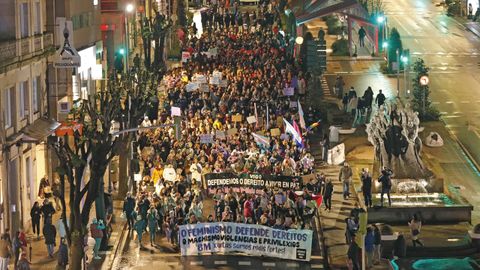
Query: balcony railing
{"points": [[16, 50]]}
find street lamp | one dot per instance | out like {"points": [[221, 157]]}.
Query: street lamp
{"points": [[380, 19], [128, 9]]}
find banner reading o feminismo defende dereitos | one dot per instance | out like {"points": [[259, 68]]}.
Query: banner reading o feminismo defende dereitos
{"points": [[197, 239]]}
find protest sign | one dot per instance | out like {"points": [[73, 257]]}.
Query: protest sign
{"points": [[251, 119], [220, 135], [293, 104], [336, 155], [169, 174], [198, 78], [284, 136], [206, 138], [288, 91], [176, 111], [204, 88], [213, 52], [215, 80], [217, 74], [223, 83], [192, 87], [232, 131], [308, 178], [251, 239], [279, 121], [255, 181], [275, 132], [185, 56], [237, 118]]}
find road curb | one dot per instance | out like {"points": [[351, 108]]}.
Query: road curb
{"points": [[462, 147], [119, 242]]}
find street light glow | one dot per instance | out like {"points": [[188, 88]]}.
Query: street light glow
{"points": [[404, 59], [129, 8], [299, 40], [385, 44], [122, 51], [380, 19]]}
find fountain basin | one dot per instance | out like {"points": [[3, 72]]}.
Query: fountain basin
{"points": [[433, 208]]}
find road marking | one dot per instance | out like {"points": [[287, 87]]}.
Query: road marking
{"points": [[465, 102], [272, 264], [196, 262], [244, 263], [219, 262], [171, 263], [293, 265], [449, 102], [316, 257], [316, 266], [435, 102]]}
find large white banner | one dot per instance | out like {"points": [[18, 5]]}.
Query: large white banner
{"points": [[197, 239]]}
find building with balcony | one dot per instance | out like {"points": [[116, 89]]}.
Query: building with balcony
{"points": [[24, 124]]}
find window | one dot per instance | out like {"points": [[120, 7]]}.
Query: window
{"points": [[24, 20], [38, 19], [7, 107], [24, 102], [36, 90]]}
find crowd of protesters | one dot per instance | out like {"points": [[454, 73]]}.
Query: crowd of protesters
{"points": [[257, 65]]}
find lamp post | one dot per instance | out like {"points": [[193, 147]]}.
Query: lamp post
{"points": [[398, 73], [405, 71], [128, 9]]}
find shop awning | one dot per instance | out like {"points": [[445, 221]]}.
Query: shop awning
{"points": [[40, 129]]}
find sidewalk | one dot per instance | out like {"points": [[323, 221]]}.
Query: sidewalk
{"points": [[38, 249]]}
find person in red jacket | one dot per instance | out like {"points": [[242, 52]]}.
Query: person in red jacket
{"points": [[248, 208]]}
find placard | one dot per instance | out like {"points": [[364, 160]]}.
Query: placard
{"points": [[293, 104], [217, 74], [215, 80], [191, 87], [176, 111], [279, 121], [206, 138], [251, 119], [213, 51], [232, 131], [223, 83], [275, 132], [204, 88], [336, 155], [237, 118], [251, 239], [199, 78], [288, 91], [284, 136], [220, 135], [185, 56]]}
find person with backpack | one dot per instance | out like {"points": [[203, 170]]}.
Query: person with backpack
{"points": [[96, 231], [386, 181], [380, 99]]}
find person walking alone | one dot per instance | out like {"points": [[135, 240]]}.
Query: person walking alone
{"points": [[354, 254], [361, 36], [366, 187], [415, 227], [380, 99], [345, 177], [327, 195], [35, 214], [152, 218], [49, 232], [129, 209], [62, 259]]}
